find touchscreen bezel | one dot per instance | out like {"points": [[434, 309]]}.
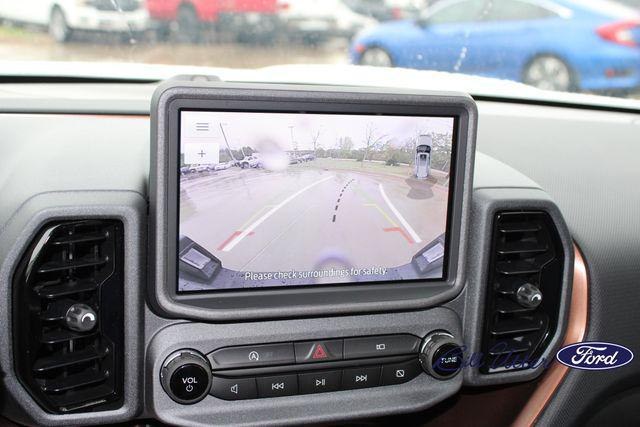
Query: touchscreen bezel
{"points": [[168, 103]]}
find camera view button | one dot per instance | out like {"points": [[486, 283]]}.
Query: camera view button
{"points": [[379, 346]]}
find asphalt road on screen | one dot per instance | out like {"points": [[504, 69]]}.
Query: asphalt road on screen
{"points": [[306, 218]]}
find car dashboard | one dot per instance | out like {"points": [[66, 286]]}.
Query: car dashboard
{"points": [[551, 194]]}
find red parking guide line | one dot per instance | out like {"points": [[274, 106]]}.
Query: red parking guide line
{"points": [[230, 238], [401, 231]]}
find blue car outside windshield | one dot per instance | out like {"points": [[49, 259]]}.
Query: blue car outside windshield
{"points": [[560, 45]]}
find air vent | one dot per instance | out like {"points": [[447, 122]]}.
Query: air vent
{"points": [[68, 314], [525, 283]]}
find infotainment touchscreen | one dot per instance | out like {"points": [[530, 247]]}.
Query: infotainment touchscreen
{"points": [[298, 199]]}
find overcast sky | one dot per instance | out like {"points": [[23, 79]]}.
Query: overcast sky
{"points": [[254, 129]]}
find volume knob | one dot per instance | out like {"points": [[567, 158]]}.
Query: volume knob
{"points": [[186, 376]]}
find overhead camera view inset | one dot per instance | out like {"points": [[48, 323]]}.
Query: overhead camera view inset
{"points": [[286, 199]]}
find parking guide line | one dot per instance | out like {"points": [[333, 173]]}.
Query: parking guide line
{"points": [[401, 231], [254, 216], [230, 238], [395, 227], [340, 198], [237, 238], [242, 227], [384, 214], [395, 211]]}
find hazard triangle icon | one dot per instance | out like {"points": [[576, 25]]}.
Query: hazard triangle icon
{"points": [[319, 352]]}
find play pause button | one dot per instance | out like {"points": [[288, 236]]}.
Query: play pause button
{"points": [[361, 377], [319, 382]]}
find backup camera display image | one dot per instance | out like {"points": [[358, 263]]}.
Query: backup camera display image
{"points": [[292, 199]]}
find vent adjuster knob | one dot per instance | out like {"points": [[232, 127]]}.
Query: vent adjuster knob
{"points": [[81, 318], [529, 295]]}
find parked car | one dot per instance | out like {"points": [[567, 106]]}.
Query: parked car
{"points": [[64, 17], [200, 168], [249, 162], [387, 10], [315, 22], [222, 166], [559, 44], [184, 170], [244, 19], [293, 160]]}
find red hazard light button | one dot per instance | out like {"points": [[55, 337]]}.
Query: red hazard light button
{"points": [[318, 351]]}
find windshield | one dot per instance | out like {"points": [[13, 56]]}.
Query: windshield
{"points": [[564, 46]]}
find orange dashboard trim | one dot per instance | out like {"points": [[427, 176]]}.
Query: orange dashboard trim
{"points": [[576, 329]]}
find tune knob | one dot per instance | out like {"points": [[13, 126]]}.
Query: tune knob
{"points": [[81, 318], [529, 295], [186, 376], [441, 355]]}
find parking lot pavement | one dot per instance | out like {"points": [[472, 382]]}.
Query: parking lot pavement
{"points": [[310, 218], [22, 44]]}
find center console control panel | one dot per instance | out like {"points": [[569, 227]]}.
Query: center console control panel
{"points": [[246, 324], [305, 367]]}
